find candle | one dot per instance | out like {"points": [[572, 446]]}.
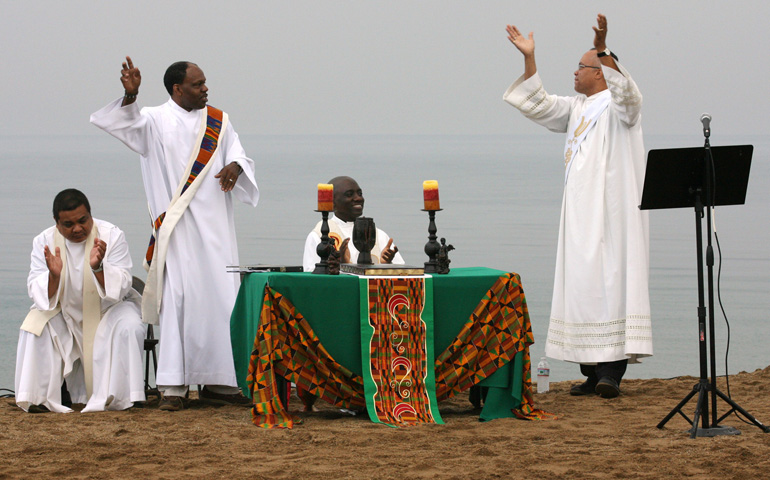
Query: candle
{"points": [[430, 195], [325, 197]]}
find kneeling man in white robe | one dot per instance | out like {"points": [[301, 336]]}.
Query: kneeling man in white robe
{"points": [[84, 325]]}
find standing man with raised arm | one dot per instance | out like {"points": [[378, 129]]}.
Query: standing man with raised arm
{"points": [[192, 166], [600, 311]]}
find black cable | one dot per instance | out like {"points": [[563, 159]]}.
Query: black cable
{"points": [[721, 307], [7, 395], [719, 287]]}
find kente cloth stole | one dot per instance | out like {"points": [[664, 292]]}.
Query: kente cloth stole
{"points": [[208, 146], [397, 350], [587, 121], [213, 121], [92, 304]]}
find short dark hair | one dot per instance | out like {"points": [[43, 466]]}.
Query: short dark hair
{"points": [[175, 74], [69, 199]]}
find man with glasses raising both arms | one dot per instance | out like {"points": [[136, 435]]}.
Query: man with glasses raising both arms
{"points": [[600, 310]]}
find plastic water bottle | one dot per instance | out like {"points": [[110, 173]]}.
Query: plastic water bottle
{"points": [[543, 376]]}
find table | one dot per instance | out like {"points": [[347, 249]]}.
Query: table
{"points": [[330, 305]]}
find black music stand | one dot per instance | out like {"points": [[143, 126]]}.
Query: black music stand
{"points": [[698, 178]]}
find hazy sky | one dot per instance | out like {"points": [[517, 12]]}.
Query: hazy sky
{"points": [[379, 67]]}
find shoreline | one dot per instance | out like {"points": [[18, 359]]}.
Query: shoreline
{"points": [[592, 438]]}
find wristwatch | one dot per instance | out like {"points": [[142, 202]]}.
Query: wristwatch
{"points": [[606, 52], [99, 268]]}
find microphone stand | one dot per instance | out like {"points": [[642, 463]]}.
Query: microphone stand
{"points": [[710, 205], [711, 425]]}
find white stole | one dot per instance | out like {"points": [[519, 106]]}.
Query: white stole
{"points": [[153, 290], [587, 121], [36, 319]]}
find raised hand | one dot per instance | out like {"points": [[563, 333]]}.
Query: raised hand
{"points": [[130, 77], [526, 45], [344, 251], [55, 265], [97, 253], [387, 254], [53, 262], [600, 33], [333, 261]]}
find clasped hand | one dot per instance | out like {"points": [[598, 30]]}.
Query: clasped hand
{"points": [[55, 264], [386, 256]]}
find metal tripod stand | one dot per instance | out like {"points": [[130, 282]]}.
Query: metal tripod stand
{"points": [[703, 197]]}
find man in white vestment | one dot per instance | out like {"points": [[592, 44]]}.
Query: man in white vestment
{"points": [[348, 205], [192, 165], [84, 326], [600, 311]]}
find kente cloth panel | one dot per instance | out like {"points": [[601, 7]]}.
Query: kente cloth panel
{"points": [[397, 350], [496, 331], [286, 346]]}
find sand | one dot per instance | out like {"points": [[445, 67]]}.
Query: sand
{"points": [[594, 438]]}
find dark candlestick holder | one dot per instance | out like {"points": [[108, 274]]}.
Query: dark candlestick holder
{"points": [[432, 247], [324, 248]]}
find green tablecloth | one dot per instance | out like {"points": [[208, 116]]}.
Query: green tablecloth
{"points": [[330, 304]]}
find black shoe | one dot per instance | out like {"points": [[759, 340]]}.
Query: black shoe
{"points": [[66, 399], [608, 388], [212, 398], [171, 403], [37, 409], [586, 388]]}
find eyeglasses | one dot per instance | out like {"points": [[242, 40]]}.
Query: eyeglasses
{"points": [[581, 67]]}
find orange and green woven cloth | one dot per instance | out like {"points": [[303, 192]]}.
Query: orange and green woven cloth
{"points": [[490, 349]]}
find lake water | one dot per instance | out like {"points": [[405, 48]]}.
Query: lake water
{"points": [[500, 195]]}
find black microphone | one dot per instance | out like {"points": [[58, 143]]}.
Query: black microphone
{"points": [[706, 121]]}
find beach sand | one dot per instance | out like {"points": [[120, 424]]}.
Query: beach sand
{"points": [[594, 438]]}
